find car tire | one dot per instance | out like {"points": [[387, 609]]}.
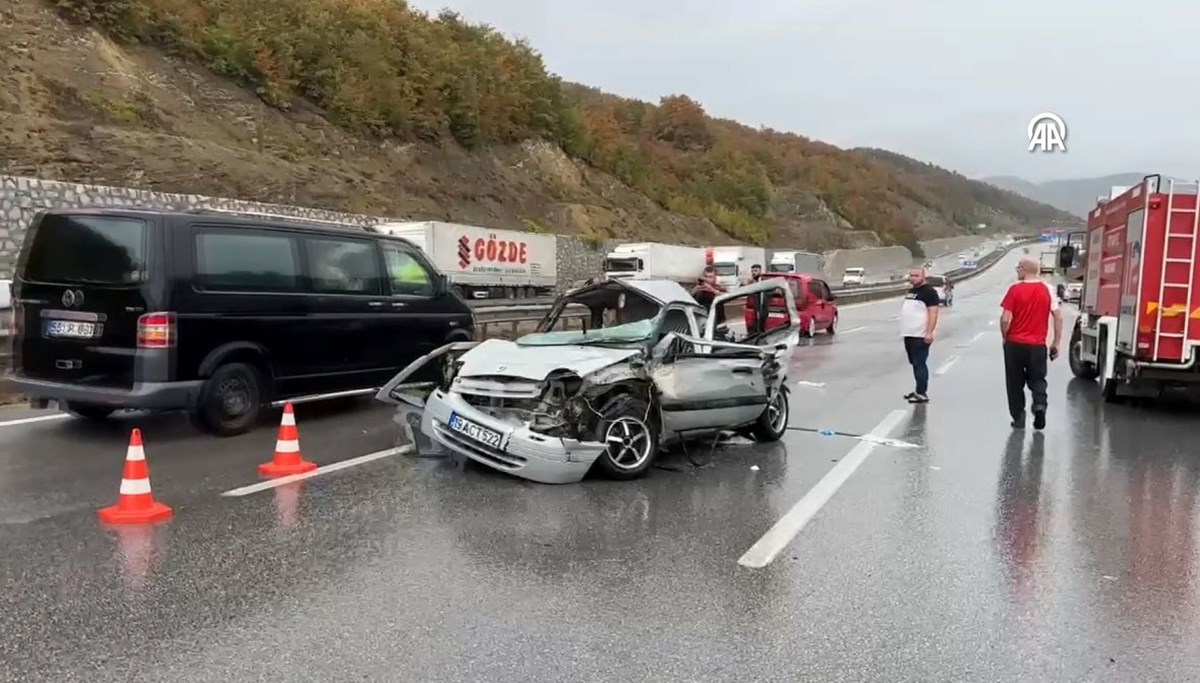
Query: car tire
{"points": [[832, 329], [625, 416], [90, 411], [773, 422], [230, 401], [810, 328]]}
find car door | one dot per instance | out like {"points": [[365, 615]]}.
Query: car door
{"points": [[346, 311], [705, 384], [822, 301], [416, 320]]}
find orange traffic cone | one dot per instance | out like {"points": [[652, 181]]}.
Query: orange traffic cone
{"points": [[287, 450], [135, 503]]}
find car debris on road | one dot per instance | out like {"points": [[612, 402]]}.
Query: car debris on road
{"points": [[649, 368]]}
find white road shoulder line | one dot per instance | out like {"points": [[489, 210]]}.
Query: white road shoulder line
{"points": [[324, 469], [777, 537], [947, 365], [30, 420]]}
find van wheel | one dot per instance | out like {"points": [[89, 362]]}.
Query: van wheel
{"points": [[230, 401], [89, 411]]}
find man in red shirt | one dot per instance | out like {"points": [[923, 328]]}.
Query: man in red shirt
{"points": [[1025, 322]]}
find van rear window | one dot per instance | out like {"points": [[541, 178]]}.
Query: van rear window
{"points": [[104, 250]]}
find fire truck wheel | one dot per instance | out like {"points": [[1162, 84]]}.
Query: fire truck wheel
{"points": [[1108, 386], [1079, 367]]}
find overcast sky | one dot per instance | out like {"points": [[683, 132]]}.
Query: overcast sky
{"points": [[954, 82]]}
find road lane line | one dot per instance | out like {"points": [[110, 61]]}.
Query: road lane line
{"points": [[763, 552], [323, 469], [29, 420], [947, 365], [991, 323], [977, 337], [854, 329]]}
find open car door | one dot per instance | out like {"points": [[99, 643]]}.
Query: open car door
{"points": [[412, 385], [726, 378]]}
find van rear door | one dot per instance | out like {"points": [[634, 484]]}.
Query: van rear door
{"points": [[82, 284]]}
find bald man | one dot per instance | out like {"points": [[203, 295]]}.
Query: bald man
{"points": [[918, 320], [1026, 311]]}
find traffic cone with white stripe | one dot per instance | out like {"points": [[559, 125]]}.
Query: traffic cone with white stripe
{"points": [[135, 502], [287, 458]]}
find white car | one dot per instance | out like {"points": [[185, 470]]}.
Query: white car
{"points": [[649, 367], [854, 276]]}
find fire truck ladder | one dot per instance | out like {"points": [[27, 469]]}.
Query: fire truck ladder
{"points": [[1175, 188]]}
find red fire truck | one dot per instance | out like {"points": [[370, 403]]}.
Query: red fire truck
{"points": [[1139, 322]]}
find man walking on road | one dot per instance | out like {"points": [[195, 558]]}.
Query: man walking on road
{"points": [[1024, 324], [918, 319]]}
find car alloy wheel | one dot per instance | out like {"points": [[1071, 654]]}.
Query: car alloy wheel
{"points": [[629, 443]]}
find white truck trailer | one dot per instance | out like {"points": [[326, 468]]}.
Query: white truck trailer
{"points": [[794, 262], [733, 263], [654, 261], [485, 263]]}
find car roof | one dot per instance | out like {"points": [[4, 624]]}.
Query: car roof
{"points": [[218, 216], [796, 276], [663, 291]]}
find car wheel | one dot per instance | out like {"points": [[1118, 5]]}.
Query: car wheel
{"points": [[832, 326], [810, 328], [628, 429], [230, 401], [89, 411], [773, 422]]}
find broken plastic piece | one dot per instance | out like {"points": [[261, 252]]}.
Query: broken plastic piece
{"points": [[826, 432]]}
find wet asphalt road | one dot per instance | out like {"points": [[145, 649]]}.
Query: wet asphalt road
{"points": [[981, 555]]}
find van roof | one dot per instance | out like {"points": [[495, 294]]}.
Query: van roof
{"points": [[222, 216]]}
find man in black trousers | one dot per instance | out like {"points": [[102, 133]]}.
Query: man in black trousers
{"points": [[1027, 309]]}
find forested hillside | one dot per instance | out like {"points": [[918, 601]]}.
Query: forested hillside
{"points": [[382, 72]]}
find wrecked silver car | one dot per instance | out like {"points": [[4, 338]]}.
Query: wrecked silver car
{"points": [[615, 372]]}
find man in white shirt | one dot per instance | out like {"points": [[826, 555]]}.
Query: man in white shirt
{"points": [[918, 320]]}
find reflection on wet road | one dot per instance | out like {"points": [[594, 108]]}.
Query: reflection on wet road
{"points": [[982, 554]]}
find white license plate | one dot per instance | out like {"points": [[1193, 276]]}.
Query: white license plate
{"points": [[70, 328], [485, 436]]}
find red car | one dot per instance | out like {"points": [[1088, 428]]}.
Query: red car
{"points": [[815, 303]]}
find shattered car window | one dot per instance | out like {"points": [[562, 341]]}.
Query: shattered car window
{"points": [[628, 333]]}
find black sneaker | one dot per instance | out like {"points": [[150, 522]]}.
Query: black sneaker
{"points": [[918, 398], [910, 396], [1039, 419], [1017, 424]]}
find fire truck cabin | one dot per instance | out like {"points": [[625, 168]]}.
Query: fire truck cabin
{"points": [[1139, 322]]}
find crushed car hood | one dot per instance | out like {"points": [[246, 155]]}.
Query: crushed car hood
{"points": [[501, 357]]}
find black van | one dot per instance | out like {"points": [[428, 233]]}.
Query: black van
{"points": [[218, 312]]}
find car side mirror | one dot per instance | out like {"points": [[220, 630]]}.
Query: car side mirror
{"points": [[1066, 256]]}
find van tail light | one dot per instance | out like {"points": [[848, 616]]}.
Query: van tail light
{"points": [[156, 331]]}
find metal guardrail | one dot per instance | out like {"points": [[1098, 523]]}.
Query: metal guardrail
{"points": [[514, 315]]}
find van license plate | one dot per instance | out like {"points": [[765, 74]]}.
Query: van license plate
{"points": [[485, 436], [70, 329]]}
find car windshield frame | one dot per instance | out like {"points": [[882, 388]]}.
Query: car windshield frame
{"points": [[635, 332]]}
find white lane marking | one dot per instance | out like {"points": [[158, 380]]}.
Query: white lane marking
{"points": [[977, 337], [29, 420], [876, 302], [854, 329], [991, 323], [324, 469], [777, 537], [947, 365], [806, 383]]}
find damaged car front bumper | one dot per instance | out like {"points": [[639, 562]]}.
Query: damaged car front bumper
{"points": [[509, 446]]}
